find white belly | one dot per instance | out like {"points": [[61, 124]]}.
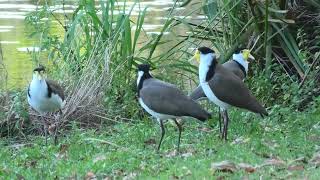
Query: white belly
{"points": [[41, 102], [159, 116], [209, 93]]}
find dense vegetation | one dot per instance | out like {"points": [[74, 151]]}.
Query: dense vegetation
{"points": [[104, 132]]}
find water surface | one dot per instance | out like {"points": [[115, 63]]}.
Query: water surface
{"points": [[17, 44]]}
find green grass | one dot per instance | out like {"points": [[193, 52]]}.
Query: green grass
{"points": [[121, 150]]}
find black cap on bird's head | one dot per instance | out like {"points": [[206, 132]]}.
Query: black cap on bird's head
{"points": [[144, 67], [205, 50], [202, 50], [39, 72], [239, 49], [246, 53], [40, 68]]}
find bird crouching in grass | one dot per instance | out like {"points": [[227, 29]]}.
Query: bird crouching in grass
{"points": [[223, 87], [165, 101], [45, 96]]}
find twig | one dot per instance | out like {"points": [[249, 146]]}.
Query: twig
{"points": [[106, 142], [309, 70]]}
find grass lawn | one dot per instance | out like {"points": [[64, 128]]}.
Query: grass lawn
{"points": [[280, 146]]}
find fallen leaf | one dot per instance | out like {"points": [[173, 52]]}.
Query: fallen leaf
{"points": [[99, 158], [150, 141], [220, 178], [224, 166], [240, 140], [315, 160], [300, 159], [296, 168], [205, 129], [63, 148], [130, 176], [247, 167], [90, 176], [52, 128], [32, 163], [273, 162], [172, 154], [186, 155], [174, 177], [272, 144], [314, 138], [20, 177], [118, 172]]}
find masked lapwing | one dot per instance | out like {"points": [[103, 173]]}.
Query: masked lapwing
{"points": [[45, 95], [165, 101], [239, 65], [223, 87]]}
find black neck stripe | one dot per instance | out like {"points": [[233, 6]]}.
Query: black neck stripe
{"points": [[146, 75], [242, 68]]}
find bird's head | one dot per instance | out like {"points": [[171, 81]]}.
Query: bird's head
{"points": [[143, 68], [143, 72], [204, 54], [245, 53], [39, 72]]}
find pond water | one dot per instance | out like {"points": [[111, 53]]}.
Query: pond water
{"points": [[17, 44]]}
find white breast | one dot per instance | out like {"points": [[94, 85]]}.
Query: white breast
{"points": [[209, 93], [153, 113], [39, 99]]}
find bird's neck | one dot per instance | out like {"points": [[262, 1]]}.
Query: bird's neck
{"points": [[39, 83], [141, 77], [207, 68], [239, 59]]}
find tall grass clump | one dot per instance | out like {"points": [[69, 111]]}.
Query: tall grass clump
{"points": [[94, 59]]}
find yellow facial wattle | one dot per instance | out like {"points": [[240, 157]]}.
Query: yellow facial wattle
{"points": [[197, 56], [40, 75], [246, 55]]}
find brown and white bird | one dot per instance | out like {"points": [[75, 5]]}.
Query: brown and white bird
{"points": [[239, 65], [165, 101], [223, 87], [45, 95]]}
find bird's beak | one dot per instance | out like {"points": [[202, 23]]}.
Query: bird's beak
{"points": [[246, 55], [196, 56]]}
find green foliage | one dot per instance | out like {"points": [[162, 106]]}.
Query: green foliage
{"points": [[14, 116], [127, 149]]}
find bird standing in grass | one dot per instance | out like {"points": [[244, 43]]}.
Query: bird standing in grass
{"points": [[223, 87], [45, 95], [239, 65], [165, 101]]}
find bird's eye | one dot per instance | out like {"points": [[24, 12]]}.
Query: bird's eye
{"points": [[241, 51]]}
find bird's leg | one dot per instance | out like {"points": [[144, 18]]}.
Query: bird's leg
{"points": [[220, 122], [162, 133], [45, 129], [226, 121], [180, 130], [57, 129]]}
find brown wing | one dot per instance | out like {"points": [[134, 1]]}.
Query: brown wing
{"points": [[234, 67], [55, 88], [165, 98], [231, 66], [197, 93], [230, 89]]}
